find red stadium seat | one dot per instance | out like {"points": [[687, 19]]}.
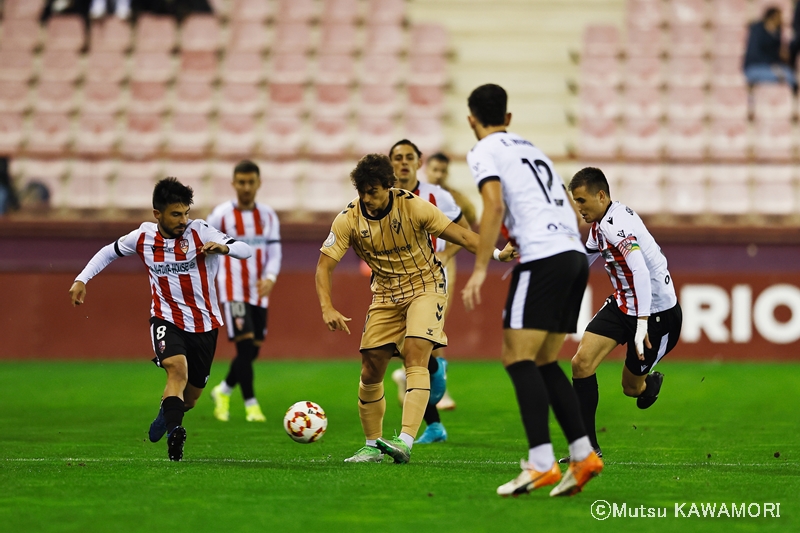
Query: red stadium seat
{"points": [[685, 190], [297, 10], [193, 97], [728, 102], [642, 139], [729, 189], [190, 135], [21, 9], [645, 14], [20, 35], [599, 102], [50, 134], [425, 100], [59, 65], [289, 68], [377, 100], [293, 38], [194, 174], [772, 101], [385, 39], [641, 188], [11, 132], [200, 33], [684, 12], [427, 133], [641, 42], [243, 67], [774, 190], [332, 100], [329, 171], [687, 71], [133, 184], [729, 41], [65, 33], [241, 98], [200, 67], [155, 33], [98, 133], [641, 71], [597, 139], [687, 41], [338, 38], [326, 196], [728, 140], [599, 71], [237, 135], [686, 140], [108, 67], [284, 135], [248, 36], [642, 103], [330, 136], [773, 140], [386, 12], [255, 10], [381, 68], [143, 135], [340, 11], [110, 35], [55, 97], [89, 184], [601, 40], [152, 67], [729, 12], [101, 97], [51, 172], [335, 69], [428, 39], [686, 103], [374, 134], [147, 97], [427, 70], [13, 96], [726, 71], [287, 98]]}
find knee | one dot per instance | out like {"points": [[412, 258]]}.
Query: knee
{"points": [[581, 367]]}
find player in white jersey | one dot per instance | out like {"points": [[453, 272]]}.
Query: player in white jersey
{"points": [[182, 256], [405, 157], [520, 188], [643, 312], [245, 286]]}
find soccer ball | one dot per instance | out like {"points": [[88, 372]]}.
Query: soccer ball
{"points": [[305, 422]]}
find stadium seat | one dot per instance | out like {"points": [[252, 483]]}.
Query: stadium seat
{"points": [[329, 171], [193, 97], [152, 67], [50, 172], [222, 8], [88, 186], [601, 40], [427, 132], [326, 196], [200, 33], [383, 68], [687, 12], [732, 13], [332, 100], [330, 136], [13, 96], [283, 195], [50, 134], [237, 135], [248, 36], [727, 102], [241, 98], [292, 38], [729, 190], [147, 97], [193, 174], [774, 190], [106, 67], [772, 101], [640, 188], [60, 65], [98, 134], [598, 139], [155, 33], [599, 102], [133, 184], [101, 97], [729, 41], [143, 135], [386, 12], [425, 100], [642, 103], [20, 35], [110, 35], [16, 65], [303, 11], [726, 71], [21, 9], [685, 190], [286, 98], [255, 10], [686, 139], [284, 135], [335, 69], [599, 71], [190, 135], [55, 97], [198, 66], [642, 139], [11, 132], [243, 67], [687, 41], [377, 100], [643, 71], [644, 14], [374, 134], [686, 103], [648, 43], [773, 140], [428, 39], [427, 70], [289, 68], [385, 39], [687, 71], [728, 139], [338, 38], [65, 33], [340, 11]]}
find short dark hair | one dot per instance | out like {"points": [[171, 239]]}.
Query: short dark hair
{"points": [[592, 178], [245, 166], [171, 191], [371, 170], [488, 104], [439, 156], [771, 12], [409, 143]]}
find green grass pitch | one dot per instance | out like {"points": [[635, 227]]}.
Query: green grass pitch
{"points": [[74, 454]]}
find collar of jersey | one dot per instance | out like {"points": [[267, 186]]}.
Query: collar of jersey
{"points": [[382, 213]]}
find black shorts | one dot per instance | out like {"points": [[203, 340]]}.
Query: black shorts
{"points": [[242, 318], [663, 329], [199, 348], [546, 294]]}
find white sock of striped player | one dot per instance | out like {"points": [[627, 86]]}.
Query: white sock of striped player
{"points": [[224, 388], [580, 449], [408, 439], [541, 457]]}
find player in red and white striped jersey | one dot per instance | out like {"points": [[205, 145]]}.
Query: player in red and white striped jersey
{"points": [[643, 312], [182, 257], [245, 286], [406, 161]]}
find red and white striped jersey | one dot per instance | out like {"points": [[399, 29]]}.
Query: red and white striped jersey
{"points": [[444, 201], [259, 227], [181, 279], [634, 262]]}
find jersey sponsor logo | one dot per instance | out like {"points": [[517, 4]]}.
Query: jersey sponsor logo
{"points": [[330, 241], [167, 249], [184, 245], [164, 269], [395, 250], [396, 225]]}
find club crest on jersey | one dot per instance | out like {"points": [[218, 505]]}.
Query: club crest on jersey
{"points": [[184, 245], [396, 225], [364, 233], [162, 346]]}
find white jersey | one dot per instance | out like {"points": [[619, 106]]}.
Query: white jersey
{"points": [[181, 279], [634, 262], [260, 229], [539, 217], [444, 201]]}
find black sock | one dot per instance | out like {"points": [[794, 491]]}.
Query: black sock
{"points": [[431, 415], [532, 400], [173, 412], [245, 370], [563, 400], [240, 363], [588, 398], [433, 365]]}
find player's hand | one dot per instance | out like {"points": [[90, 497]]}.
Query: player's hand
{"points": [[641, 338], [471, 293], [264, 287], [77, 293], [508, 253], [211, 248], [335, 320]]}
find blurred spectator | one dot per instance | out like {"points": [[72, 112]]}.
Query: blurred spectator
{"points": [[8, 196], [177, 8], [65, 7], [794, 46], [124, 8], [764, 61], [121, 8], [35, 196]]}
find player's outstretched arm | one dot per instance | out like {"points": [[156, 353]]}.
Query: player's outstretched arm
{"points": [[77, 293], [324, 282]]}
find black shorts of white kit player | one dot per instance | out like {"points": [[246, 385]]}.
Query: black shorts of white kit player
{"points": [[242, 318], [546, 294], [663, 330], [199, 348]]}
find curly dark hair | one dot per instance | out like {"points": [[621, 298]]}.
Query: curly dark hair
{"points": [[171, 191], [372, 170]]}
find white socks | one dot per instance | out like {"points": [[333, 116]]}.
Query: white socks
{"points": [[542, 458], [408, 439], [580, 449], [224, 388]]}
